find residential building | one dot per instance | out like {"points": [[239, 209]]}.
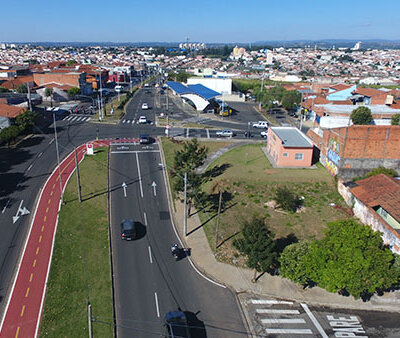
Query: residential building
{"points": [[289, 147], [376, 202]]}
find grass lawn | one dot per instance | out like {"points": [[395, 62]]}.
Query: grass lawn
{"points": [[82, 235], [249, 182]]}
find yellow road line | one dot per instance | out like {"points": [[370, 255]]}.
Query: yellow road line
{"points": [[47, 209], [23, 310], [45, 218], [49, 201], [31, 277], [27, 293], [34, 263], [37, 250], [17, 333], [40, 238], [42, 228], [52, 192]]}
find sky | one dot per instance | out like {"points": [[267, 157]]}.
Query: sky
{"points": [[209, 21]]}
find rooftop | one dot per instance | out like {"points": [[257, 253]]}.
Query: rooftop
{"points": [[292, 137], [198, 89]]}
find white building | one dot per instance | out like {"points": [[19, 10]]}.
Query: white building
{"points": [[223, 86]]}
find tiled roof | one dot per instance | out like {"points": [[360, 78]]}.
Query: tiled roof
{"points": [[369, 92], [10, 111], [380, 190], [340, 86]]}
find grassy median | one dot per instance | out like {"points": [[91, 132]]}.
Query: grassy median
{"points": [[80, 267]]}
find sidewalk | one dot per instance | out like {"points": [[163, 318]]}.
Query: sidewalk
{"points": [[239, 278]]}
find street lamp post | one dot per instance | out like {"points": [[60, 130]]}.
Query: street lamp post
{"points": [[261, 89], [58, 157]]}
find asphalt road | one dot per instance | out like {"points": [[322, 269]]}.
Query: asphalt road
{"points": [[148, 281]]}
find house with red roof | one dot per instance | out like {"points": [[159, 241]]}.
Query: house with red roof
{"points": [[376, 202]]}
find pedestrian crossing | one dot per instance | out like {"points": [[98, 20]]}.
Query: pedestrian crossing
{"points": [[282, 318], [128, 121], [77, 118]]}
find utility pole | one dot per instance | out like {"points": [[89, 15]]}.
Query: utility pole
{"points": [[78, 176], [185, 210], [261, 89], [217, 225], [58, 158], [90, 320], [29, 97]]}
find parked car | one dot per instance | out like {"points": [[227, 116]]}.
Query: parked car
{"points": [[264, 133], [145, 106], [128, 229], [176, 325], [142, 120], [260, 124], [144, 139], [225, 133]]}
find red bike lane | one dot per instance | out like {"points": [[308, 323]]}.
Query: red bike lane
{"points": [[26, 300]]}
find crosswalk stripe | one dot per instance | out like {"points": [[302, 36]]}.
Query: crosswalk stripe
{"points": [[133, 121], [128, 121], [78, 119], [69, 118], [270, 301], [65, 118], [88, 119], [288, 331], [285, 312], [283, 321], [123, 121]]}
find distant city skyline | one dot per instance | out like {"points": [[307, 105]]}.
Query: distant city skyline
{"points": [[205, 21]]}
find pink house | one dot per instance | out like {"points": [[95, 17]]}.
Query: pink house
{"points": [[289, 147]]}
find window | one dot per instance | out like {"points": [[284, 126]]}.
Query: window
{"points": [[285, 154], [298, 156]]}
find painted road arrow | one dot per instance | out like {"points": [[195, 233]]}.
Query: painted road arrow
{"points": [[124, 186], [20, 212], [154, 188]]}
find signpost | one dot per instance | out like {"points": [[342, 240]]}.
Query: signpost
{"points": [[89, 149]]}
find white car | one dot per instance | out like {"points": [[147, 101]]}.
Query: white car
{"points": [[145, 106], [264, 133], [142, 120], [260, 124], [225, 133]]}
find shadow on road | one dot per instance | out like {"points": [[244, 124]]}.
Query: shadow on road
{"points": [[197, 328]]}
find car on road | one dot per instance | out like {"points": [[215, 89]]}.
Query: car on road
{"points": [[142, 120], [225, 133], [176, 325], [128, 230], [145, 106], [144, 139], [260, 124], [264, 133]]}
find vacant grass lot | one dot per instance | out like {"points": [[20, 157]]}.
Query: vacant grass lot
{"points": [[81, 262], [249, 182]]}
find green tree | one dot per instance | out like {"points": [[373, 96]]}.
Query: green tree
{"points": [[361, 115], [22, 89], [258, 244], [71, 62], [381, 170], [292, 262], [73, 91], [187, 160], [25, 121], [351, 258], [395, 120], [291, 99], [3, 90], [286, 199], [9, 134]]}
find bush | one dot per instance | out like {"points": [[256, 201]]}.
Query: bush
{"points": [[286, 199], [395, 120]]}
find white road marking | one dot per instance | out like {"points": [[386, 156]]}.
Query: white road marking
{"points": [[208, 133], [158, 310], [187, 132], [51, 141], [133, 121], [288, 331], [40, 154], [151, 259], [314, 320], [283, 312], [69, 118], [134, 151], [128, 121], [283, 321], [88, 119], [140, 178], [5, 207], [78, 118], [74, 118], [145, 218], [270, 301], [30, 167], [123, 121]]}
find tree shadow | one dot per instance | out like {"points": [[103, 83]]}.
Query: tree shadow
{"points": [[283, 242], [216, 171], [228, 238], [213, 201]]}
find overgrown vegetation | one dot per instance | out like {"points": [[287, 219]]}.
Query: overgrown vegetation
{"points": [[377, 171], [22, 125], [286, 199]]}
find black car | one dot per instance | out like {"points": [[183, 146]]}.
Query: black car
{"points": [[176, 325], [144, 139], [128, 229]]}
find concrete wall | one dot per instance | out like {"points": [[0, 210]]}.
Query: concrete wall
{"points": [[4, 122], [232, 97]]}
